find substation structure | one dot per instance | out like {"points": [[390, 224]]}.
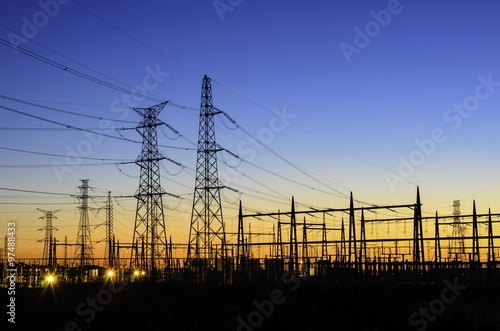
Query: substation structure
{"points": [[356, 256], [344, 254]]}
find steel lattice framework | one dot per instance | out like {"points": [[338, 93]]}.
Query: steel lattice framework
{"points": [[150, 238], [84, 248], [207, 238], [109, 253], [48, 242]]}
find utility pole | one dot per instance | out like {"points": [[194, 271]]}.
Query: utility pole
{"points": [[240, 249], [293, 264], [418, 241], [305, 253], [352, 254], [475, 235], [362, 244], [491, 246], [437, 241]]}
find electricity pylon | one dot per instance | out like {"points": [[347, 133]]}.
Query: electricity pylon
{"points": [[207, 238], [48, 242], [84, 248], [150, 238]]}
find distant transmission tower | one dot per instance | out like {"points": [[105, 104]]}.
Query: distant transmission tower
{"points": [[457, 249], [48, 242], [84, 249], [150, 237], [207, 238], [109, 253]]}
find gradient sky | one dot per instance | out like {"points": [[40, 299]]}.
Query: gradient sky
{"points": [[364, 84]]}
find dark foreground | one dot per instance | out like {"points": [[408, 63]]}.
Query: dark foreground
{"points": [[300, 305]]}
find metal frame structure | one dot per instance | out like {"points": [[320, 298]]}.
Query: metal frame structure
{"points": [[150, 239]]}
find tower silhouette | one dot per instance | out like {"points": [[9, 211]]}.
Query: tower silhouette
{"points": [[457, 249], [84, 248], [48, 242], [109, 253], [150, 238], [207, 238]]}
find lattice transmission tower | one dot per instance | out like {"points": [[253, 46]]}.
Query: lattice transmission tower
{"points": [[457, 249], [207, 238], [84, 248], [150, 237], [48, 241], [109, 253]]}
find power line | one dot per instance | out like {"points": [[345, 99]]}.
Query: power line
{"points": [[296, 167], [58, 193], [75, 72], [82, 129], [63, 111], [59, 155], [48, 129]]}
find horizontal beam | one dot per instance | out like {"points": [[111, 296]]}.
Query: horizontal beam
{"points": [[329, 210]]}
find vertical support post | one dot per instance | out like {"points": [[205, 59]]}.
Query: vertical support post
{"points": [[491, 246], [240, 248], [362, 245], [352, 254], [475, 235], [343, 252], [324, 244], [279, 246], [418, 240], [437, 241], [305, 254], [293, 264]]}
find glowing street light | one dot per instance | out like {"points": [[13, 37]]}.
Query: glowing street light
{"points": [[50, 279]]}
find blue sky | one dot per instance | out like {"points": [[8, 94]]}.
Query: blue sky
{"points": [[348, 124]]}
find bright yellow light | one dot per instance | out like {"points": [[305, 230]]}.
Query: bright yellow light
{"points": [[110, 273], [136, 273], [143, 273], [50, 279]]}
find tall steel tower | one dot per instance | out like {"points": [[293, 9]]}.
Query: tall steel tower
{"points": [[84, 249], [48, 242], [109, 253], [207, 237], [150, 238], [457, 249]]}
